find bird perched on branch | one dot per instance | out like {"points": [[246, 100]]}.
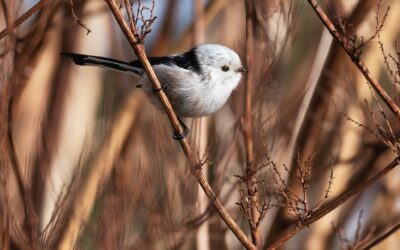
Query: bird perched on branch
{"points": [[197, 83]]}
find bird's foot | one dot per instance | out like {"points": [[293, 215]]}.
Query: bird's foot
{"points": [[181, 136]]}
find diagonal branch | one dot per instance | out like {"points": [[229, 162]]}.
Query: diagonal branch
{"points": [[194, 164], [327, 208], [344, 43], [24, 17]]}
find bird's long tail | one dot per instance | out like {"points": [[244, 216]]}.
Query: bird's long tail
{"points": [[109, 63]]}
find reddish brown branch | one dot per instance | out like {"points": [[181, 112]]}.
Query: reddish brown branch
{"points": [[346, 44], [30, 219], [195, 166], [328, 207], [24, 17], [198, 26]]}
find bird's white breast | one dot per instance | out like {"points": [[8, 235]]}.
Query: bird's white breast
{"points": [[191, 94]]}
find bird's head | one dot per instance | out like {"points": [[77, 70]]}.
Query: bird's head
{"points": [[219, 65]]}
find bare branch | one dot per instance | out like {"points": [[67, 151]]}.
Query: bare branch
{"points": [[344, 43], [24, 17], [327, 208], [77, 20], [253, 215]]}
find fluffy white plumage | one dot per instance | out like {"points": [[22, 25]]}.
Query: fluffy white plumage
{"points": [[198, 82], [196, 93]]}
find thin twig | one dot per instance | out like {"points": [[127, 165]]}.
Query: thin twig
{"points": [[77, 20], [24, 17], [344, 43], [140, 53], [128, 7], [327, 208], [330, 182]]}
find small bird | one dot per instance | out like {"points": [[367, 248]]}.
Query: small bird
{"points": [[197, 82]]}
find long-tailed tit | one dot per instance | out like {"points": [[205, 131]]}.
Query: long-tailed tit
{"points": [[197, 82]]}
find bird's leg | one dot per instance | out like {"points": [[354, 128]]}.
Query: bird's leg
{"points": [[185, 132]]}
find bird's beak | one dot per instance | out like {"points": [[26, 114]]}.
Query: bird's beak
{"points": [[241, 69]]}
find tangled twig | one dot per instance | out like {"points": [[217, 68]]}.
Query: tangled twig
{"points": [[77, 19]]}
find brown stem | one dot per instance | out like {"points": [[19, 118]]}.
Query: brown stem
{"points": [[195, 166], [328, 207], [165, 37], [24, 17], [30, 219], [248, 126], [344, 43], [7, 93], [200, 136], [198, 28], [49, 131]]}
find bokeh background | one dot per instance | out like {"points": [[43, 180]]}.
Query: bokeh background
{"points": [[87, 142]]}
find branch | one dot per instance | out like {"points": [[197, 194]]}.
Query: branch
{"points": [[195, 166], [344, 43], [70, 4], [327, 208], [31, 218], [24, 17], [247, 127]]}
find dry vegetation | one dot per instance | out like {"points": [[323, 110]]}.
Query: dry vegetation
{"points": [[303, 156]]}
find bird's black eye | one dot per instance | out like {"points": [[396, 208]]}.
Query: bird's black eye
{"points": [[225, 68]]}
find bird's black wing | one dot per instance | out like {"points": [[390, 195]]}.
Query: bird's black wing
{"points": [[166, 60], [187, 60]]}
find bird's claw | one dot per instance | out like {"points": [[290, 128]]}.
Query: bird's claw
{"points": [[182, 135]]}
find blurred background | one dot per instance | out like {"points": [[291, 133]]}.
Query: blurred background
{"points": [[88, 163]]}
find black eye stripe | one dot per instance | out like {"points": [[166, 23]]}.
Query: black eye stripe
{"points": [[225, 68]]}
